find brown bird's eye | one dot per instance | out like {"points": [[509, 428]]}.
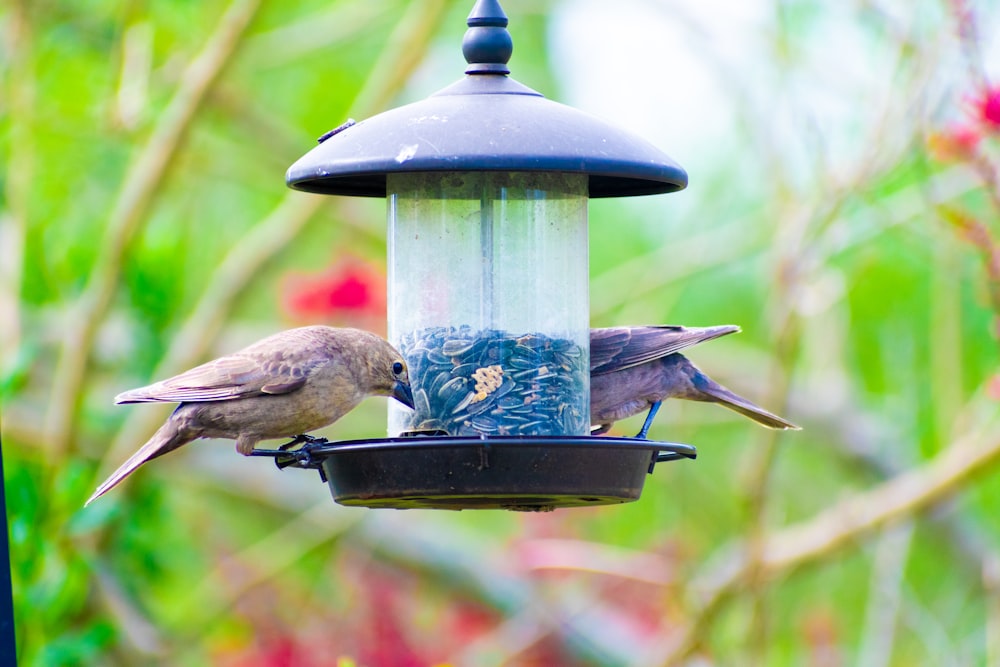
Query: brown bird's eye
{"points": [[397, 368]]}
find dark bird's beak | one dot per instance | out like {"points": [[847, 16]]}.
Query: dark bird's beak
{"points": [[402, 393]]}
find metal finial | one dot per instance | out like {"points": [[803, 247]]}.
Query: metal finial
{"points": [[487, 45]]}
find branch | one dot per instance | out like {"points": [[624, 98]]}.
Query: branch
{"points": [[141, 183], [226, 284], [900, 497], [457, 562], [410, 39], [987, 171], [991, 586], [842, 525], [404, 50], [20, 105], [264, 560], [855, 434], [143, 636], [977, 234], [885, 597]]}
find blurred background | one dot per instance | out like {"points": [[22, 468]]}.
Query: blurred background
{"points": [[843, 208]]}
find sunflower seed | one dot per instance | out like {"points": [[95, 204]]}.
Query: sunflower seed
{"points": [[456, 372]]}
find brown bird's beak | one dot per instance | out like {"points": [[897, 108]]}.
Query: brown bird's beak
{"points": [[402, 393]]}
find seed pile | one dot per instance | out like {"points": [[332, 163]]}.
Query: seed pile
{"points": [[492, 382]]}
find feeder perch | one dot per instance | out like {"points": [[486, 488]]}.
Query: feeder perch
{"points": [[487, 185]]}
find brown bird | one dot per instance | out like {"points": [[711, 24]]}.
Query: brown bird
{"points": [[635, 368], [282, 386]]}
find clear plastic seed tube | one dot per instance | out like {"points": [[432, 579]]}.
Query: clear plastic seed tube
{"points": [[489, 302]]}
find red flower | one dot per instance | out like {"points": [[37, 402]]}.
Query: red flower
{"points": [[351, 291], [987, 107], [958, 142], [993, 387], [965, 16]]}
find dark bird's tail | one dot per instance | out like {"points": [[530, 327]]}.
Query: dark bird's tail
{"points": [[714, 392], [168, 438]]}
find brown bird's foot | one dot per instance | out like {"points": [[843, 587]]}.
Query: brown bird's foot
{"points": [[653, 409], [302, 439]]}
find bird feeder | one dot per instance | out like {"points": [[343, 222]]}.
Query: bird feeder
{"points": [[487, 185]]}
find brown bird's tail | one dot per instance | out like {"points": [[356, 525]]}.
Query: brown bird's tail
{"points": [[714, 392], [168, 438]]}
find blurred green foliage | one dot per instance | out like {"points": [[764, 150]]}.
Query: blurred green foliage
{"points": [[844, 216]]}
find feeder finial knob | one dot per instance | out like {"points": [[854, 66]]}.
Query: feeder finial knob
{"points": [[487, 45]]}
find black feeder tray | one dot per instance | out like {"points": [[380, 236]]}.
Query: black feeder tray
{"points": [[527, 474]]}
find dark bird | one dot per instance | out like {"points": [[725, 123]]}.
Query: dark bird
{"points": [[282, 386], [636, 368]]}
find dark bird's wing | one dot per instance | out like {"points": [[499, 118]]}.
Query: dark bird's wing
{"points": [[615, 348], [231, 377]]}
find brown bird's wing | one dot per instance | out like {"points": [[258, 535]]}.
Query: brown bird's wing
{"points": [[615, 348], [231, 377]]}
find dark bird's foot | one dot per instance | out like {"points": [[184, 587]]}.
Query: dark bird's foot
{"points": [[653, 409], [302, 439]]}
